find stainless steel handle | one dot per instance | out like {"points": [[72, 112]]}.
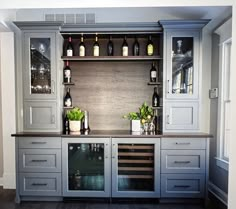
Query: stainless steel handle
{"points": [[38, 160], [39, 143], [53, 119], [181, 186], [182, 143], [168, 119], [106, 157], [39, 184], [182, 162], [168, 86], [53, 86]]}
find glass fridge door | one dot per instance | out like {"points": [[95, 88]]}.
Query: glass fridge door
{"points": [[86, 166]]}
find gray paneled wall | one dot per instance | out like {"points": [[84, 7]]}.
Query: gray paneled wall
{"points": [[108, 90]]}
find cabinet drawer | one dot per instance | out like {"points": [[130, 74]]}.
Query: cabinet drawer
{"points": [[39, 142], [40, 160], [40, 184], [182, 161], [183, 143], [183, 185]]}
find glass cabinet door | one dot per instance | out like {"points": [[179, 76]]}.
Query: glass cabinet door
{"points": [[40, 64], [86, 164], [182, 65], [135, 168]]}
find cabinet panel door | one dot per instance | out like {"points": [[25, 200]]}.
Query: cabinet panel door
{"points": [[40, 160], [182, 64], [40, 115], [40, 184], [183, 185], [39, 66], [135, 167], [183, 161], [181, 116]]}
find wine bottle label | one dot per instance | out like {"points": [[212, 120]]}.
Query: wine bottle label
{"points": [[125, 51], [82, 51], [153, 74], [68, 103], [69, 52], [67, 74], [155, 102], [96, 51], [150, 49]]}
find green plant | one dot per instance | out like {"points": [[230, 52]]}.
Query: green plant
{"points": [[145, 114], [132, 116], [75, 114]]}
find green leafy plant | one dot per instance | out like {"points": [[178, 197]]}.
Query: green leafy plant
{"points": [[75, 114], [145, 114], [132, 116]]}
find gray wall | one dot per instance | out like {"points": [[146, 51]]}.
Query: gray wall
{"points": [[218, 176], [1, 139]]}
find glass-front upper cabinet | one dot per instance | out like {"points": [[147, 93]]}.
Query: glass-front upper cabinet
{"points": [[182, 53], [40, 75], [86, 167], [135, 167]]}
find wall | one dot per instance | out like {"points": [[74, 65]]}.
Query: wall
{"points": [[218, 176]]}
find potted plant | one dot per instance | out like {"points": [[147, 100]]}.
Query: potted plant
{"points": [[134, 118], [144, 116], [75, 117]]}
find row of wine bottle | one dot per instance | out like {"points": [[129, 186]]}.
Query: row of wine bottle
{"points": [[67, 73], [110, 47]]}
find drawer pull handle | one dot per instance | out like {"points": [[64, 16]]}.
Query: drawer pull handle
{"points": [[181, 186], [39, 142], [39, 184], [182, 143], [182, 162], [39, 160]]}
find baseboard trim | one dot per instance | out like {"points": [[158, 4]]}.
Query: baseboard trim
{"points": [[218, 193], [9, 181], [1, 181]]}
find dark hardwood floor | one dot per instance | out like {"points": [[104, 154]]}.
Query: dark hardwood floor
{"points": [[7, 202]]}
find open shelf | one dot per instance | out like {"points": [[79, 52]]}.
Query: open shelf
{"points": [[112, 58], [68, 108], [68, 84], [154, 83]]}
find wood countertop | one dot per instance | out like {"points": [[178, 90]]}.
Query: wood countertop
{"points": [[113, 133]]}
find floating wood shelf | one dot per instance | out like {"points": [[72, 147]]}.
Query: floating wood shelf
{"points": [[154, 83], [68, 84], [112, 58], [157, 108]]}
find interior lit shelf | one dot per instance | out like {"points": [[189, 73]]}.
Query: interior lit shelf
{"points": [[112, 58]]}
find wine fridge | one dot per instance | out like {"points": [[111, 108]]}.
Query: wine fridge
{"points": [[86, 167], [135, 167]]}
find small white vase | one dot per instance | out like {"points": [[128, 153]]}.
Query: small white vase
{"points": [[135, 126], [75, 125]]}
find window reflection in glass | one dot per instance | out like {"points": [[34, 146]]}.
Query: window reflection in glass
{"points": [[40, 64], [182, 65]]}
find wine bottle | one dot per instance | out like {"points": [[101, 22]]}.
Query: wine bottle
{"points": [[125, 48], [110, 47], [155, 98], [150, 47], [153, 73], [68, 99], [82, 47], [96, 47], [155, 121], [136, 47], [67, 73], [66, 125], [69, 48]]}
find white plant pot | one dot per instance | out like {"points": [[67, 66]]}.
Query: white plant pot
{"points": [[75, 125], [135, 126]]}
